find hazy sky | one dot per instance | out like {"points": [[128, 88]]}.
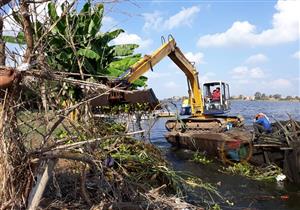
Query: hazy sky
{"points": [[252, 45]]}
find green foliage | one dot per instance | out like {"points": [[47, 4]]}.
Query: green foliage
{"points": [[140, 82], [117, 67], [76, 44], [257, 95], [124, 108], [125, 49], [143, 163], [19, 39], [88, 54], [61, 134], [268, 173], [215, 207], [77, 38], [75, 41], [200, 158]]}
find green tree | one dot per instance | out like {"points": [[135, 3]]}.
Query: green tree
{"points": [[264, 96], [76, 44], [73, 42], [257, 96], [288, 98], [277, 96]]}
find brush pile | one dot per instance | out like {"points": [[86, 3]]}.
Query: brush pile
{"points": [[116, 172], [285, 133], [282, 147], [90, 165]]}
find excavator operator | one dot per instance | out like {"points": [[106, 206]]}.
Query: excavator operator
{"points": [[216, 95]]}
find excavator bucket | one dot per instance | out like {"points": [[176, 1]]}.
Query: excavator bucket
{"points": [[133, 97]]}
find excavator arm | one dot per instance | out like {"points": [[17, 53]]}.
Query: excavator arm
{"points": [[197, 120], [145, 64], [170, 49]]}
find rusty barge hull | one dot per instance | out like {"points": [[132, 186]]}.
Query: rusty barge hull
{"points": [[211, 142]]}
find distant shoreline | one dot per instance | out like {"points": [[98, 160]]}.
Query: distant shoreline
{"points": [[237, 99], [273, 100]]}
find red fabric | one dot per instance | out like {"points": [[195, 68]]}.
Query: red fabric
{"points": [[216, 95], [233, 144]]}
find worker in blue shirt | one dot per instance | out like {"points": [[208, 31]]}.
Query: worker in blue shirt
{"points": [[262, 123]]}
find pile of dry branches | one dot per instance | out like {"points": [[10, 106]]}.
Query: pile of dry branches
{"points": [[83, 164], [79, 164], [50, 160], [285, 134]]}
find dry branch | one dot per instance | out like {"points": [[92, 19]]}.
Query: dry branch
{"points": [[83, 188], [76, 144], [69, 155], [2, 44], [28, 32], [4, 2], [62, 77]]}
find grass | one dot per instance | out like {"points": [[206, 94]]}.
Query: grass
{"points": [[200, 158], [145, 164], [268, 173]]}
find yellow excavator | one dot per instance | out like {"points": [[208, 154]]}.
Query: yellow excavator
{"points": [[206, 113]]}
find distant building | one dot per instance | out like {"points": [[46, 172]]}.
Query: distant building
{"points": [[235, 97], [249, 98]]}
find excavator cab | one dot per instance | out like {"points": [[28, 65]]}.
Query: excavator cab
{"points": [[216, 98]]}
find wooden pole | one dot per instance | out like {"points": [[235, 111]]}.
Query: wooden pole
{"points": [[42, 179]]}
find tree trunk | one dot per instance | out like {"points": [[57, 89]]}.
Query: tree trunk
{"points": [[2, 44], [15, 167]]}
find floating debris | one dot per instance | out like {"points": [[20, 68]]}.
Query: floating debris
{"points": [[268, 173], [200, 158]]}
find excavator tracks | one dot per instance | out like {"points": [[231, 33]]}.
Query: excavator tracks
{"points": [[209, 123]]}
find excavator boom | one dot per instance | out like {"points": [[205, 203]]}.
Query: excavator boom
{"points": [[174, 53], [170, 49], [199, 119], [147, 63]]}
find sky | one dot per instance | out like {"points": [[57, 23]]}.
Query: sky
{"points": [[252, 45]]}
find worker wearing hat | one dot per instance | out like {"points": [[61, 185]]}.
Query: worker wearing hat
{"points": [[262, 123]]}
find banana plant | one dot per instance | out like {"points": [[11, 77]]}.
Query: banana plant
{"points": [[75, 43], [77, 39]]}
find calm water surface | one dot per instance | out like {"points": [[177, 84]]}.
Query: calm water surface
{"points": [[244, 193]]}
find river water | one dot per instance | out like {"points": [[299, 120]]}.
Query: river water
{"points": [[245, 194]]}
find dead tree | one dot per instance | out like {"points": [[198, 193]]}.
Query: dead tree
{"points": [[16, 178]]}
